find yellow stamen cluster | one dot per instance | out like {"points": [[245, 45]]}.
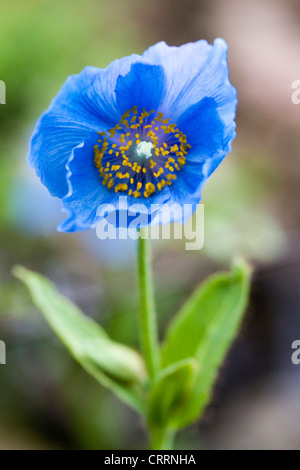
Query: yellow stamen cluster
{"points": [[120, 166]]}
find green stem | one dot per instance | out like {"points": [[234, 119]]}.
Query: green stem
{"points": [[148, 325], [162, 439]]}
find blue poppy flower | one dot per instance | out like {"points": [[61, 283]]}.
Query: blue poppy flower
{"points": [[151, 128]]}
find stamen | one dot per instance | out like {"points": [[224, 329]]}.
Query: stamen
{"points": [[142, 154]]}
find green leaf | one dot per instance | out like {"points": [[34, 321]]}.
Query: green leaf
{"points": [[170, 394], [115, 366], [205, 328]]}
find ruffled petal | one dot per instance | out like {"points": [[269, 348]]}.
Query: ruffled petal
{"points": [[192, 72], [86, 192], [204, 129], [143, 86], [210, 130], [212, 163], [51, 147]]}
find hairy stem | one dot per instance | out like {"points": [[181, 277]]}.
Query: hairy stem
{"points": [[148, 324]]}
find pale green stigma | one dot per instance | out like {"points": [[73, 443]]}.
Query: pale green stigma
{"points": [[144, 149]]}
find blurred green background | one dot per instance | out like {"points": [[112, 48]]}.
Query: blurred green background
{"points": [[251, 208]]}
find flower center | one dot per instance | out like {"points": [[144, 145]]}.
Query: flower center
{"points": [[144, 149], [141, 155]]}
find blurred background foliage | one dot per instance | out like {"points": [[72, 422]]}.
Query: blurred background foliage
{"points": [[251, 208]]}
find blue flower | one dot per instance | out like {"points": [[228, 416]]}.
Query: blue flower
{"points": [[151, 127]]}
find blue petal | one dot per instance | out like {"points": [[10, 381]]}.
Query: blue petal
{"points": [[187, 189], [192, 72], [182, 204], [210, 129], [185, 195], [204, 129], [51, 146], [143, 87], [85, 103], [211, 140], [86, 192], [212, 163], [145, 207]]}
